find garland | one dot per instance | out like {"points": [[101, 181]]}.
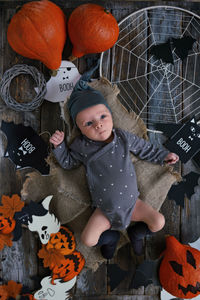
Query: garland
{"points": [[58, 254]]}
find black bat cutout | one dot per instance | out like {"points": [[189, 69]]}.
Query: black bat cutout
{"points": [[183, 46], [25, 147], [146, 273], [25, 215], [184, 188], [163, 52], [116, 275]]}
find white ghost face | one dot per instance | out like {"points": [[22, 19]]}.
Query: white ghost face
{"points": [[60, 87], [56, 291], [45, 225]]}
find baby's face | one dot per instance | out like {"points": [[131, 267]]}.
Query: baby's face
{"points": [[95, 122]]}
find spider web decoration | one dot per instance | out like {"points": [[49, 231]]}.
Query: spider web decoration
{"points": [[157, 91]]}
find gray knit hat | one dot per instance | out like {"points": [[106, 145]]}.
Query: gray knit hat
{"points": [[84, 96]]}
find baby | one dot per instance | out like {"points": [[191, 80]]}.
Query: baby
{"points": [[105, 153]]}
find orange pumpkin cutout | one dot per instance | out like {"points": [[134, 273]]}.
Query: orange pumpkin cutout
{"points": [[92, 29], [64, 241], [7, 225], [179, 271], [70, 267], [38, 31]]}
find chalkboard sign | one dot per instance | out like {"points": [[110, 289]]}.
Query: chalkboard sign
{"points": [[186, 141], [25, 147]]}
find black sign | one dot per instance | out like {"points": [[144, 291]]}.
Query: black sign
{"points": [[25, 147], [186, 141]]}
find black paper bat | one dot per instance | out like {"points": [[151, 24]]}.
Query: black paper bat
{"points": [[184, 188], [163, 51], [25, 215], [25, 147], [181, 47], [146, 273], [116, 275]]}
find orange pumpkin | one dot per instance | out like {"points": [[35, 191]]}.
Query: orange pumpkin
{"points": [[38, 31], [179, 271], [64, 241], [7, 225], [92, 29], [70, 267]]}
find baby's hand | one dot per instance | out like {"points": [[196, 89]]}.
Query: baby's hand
{"points": [[171, 158], [57, 138]]}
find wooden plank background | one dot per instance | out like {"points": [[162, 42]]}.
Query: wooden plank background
{"points": [[20, 262]]}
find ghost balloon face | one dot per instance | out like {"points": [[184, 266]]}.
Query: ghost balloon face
{"points": [[45, 225], [56, 291], [60, 87]]}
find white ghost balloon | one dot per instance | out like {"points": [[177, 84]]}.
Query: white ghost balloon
{"points": [[45, 225], [60, 87], [56, 291]]}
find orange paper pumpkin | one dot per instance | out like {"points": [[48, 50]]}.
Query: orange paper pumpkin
{"points": [[92, 29], [7, 225], [70, 266], [179, 271], [38, 31], [64, 241]]}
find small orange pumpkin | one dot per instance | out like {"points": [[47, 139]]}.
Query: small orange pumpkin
{"points": [[70, 267], [7, 225], [179, 271], [38, 31], [92, 29], [64, 241]]}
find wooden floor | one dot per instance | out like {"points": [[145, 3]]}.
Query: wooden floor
{"points": [[20, 262]]}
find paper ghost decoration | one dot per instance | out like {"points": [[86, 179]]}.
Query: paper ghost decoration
{"points": [[46, 224], [164, 295], [56, 291], [25, 216], [146, 273], [186, 141], [25, 147], [60, 87], [184, 188]]}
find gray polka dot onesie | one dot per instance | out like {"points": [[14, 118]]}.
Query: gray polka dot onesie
{"points": [[110, 172]]}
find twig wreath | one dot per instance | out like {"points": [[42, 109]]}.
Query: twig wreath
{"points": [[58, 247], [14, 72]]}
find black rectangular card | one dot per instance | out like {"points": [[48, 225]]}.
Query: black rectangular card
{"points": [[186, 141]]}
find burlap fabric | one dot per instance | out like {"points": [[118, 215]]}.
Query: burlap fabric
{"points": [[71, 199]]}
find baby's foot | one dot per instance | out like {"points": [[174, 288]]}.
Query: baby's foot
{"points": [[108, 242], [136, 234]]}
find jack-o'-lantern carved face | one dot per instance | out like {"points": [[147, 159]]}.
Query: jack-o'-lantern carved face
{"points": [[7, 225], [179, 271]]}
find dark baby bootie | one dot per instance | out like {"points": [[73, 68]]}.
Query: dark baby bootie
{"points": [[136, 234], [108, 241]]}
